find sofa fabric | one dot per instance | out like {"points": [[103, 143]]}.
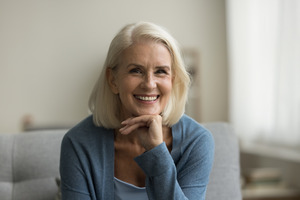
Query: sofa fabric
{"points": [[224, 181], [29, 165]]}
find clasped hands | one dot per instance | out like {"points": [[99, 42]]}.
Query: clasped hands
{"points": [[148, 129]]}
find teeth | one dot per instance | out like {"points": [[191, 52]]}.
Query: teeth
{"points": [[146, 98]]}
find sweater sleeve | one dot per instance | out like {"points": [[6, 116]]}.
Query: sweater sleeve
{"points": [[73, 180], [165, 182]]}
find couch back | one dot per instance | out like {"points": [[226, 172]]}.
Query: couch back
{"points": [[29, 165], [224, 181]]}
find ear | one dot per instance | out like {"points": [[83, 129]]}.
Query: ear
{"points": [[111, 79]]}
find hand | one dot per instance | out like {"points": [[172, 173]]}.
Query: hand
{"points": [[148, 129]]}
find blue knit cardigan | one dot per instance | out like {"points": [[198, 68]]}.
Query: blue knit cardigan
{"points": [[87, 163]]}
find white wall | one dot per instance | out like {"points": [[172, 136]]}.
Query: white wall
{"points": [[51, 53]]}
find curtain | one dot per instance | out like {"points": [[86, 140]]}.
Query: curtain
{"points": [[264, 70]]}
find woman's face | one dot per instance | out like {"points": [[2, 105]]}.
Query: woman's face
{"points": [[143, 79]]}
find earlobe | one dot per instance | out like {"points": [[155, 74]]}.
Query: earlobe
{"points": [[111, 81]]}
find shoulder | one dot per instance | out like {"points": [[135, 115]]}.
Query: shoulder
{"points": [[85, 133], [189, 129], [191, 138], [192, 144], [86, 128]]}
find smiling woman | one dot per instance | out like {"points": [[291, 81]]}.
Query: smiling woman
{"points": [[143, 88], [130, 40], [138, 136]]}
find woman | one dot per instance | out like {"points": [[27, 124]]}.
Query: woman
{"points": [[138, 144]]}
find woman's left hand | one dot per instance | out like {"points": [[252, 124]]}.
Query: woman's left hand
{"points": [[148, 129]]}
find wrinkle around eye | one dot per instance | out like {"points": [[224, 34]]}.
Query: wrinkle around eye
{"points": [[135, 70], [161, 71]]}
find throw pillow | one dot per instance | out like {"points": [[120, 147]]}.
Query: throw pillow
{"points": [[58, 194]]}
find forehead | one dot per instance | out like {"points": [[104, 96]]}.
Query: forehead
{"points": [[146, 52]]}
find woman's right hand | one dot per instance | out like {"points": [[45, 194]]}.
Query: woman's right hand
{"points": [[148, 129]]}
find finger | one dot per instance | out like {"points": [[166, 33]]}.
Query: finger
{"points": [[125, 122], [129, 128], [147, 119]]}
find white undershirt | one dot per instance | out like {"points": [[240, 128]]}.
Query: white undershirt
{"points": [[127, 191]]}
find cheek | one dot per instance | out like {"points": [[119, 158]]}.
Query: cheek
{"points": [[167, 86], [124, 92], [125, 88]]}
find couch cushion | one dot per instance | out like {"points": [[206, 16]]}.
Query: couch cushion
{"points": [[35, 189]]}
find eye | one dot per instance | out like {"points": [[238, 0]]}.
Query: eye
{"points": [[161, 71], [135, 71]]}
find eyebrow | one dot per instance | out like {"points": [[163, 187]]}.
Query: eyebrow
{"points": [[165, 67], [159, 66], [134, 64]]}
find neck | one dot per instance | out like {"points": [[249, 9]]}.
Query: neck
{"points": [[130, 138]]}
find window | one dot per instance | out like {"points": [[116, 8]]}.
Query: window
{"points": [[264, 61]]}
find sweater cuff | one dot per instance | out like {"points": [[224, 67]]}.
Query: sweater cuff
{"points": [[156, 161]]}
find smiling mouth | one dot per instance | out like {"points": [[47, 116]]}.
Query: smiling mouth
{"points": [[146, 98]]}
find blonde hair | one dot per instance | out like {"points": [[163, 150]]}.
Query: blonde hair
{"points": [[105, 105]]}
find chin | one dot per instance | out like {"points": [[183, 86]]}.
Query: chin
{"points": [[149, 113], [140, 112]]}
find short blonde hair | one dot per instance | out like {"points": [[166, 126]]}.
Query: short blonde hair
{"points": [[105, 105]]}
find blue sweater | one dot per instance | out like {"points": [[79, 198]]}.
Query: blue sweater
{"points": [[87, 163]]}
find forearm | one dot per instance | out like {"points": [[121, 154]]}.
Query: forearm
{"points": [[161, 182]]}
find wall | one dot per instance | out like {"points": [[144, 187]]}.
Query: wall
{"points": [[51, 53]]}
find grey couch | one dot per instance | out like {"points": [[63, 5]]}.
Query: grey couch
{"points": [[29, 165]]}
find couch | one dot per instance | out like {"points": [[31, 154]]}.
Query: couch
{"points": [[29, 165]]}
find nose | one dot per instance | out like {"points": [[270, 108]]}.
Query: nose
{"points": [[149, 81]]}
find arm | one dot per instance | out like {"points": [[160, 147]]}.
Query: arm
{"points": [[73, 181], [189, 182]]}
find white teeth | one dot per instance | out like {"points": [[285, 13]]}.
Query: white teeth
{"points": [[146, 98]]}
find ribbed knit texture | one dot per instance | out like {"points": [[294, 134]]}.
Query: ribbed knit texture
{"points": [[87, 163]]}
